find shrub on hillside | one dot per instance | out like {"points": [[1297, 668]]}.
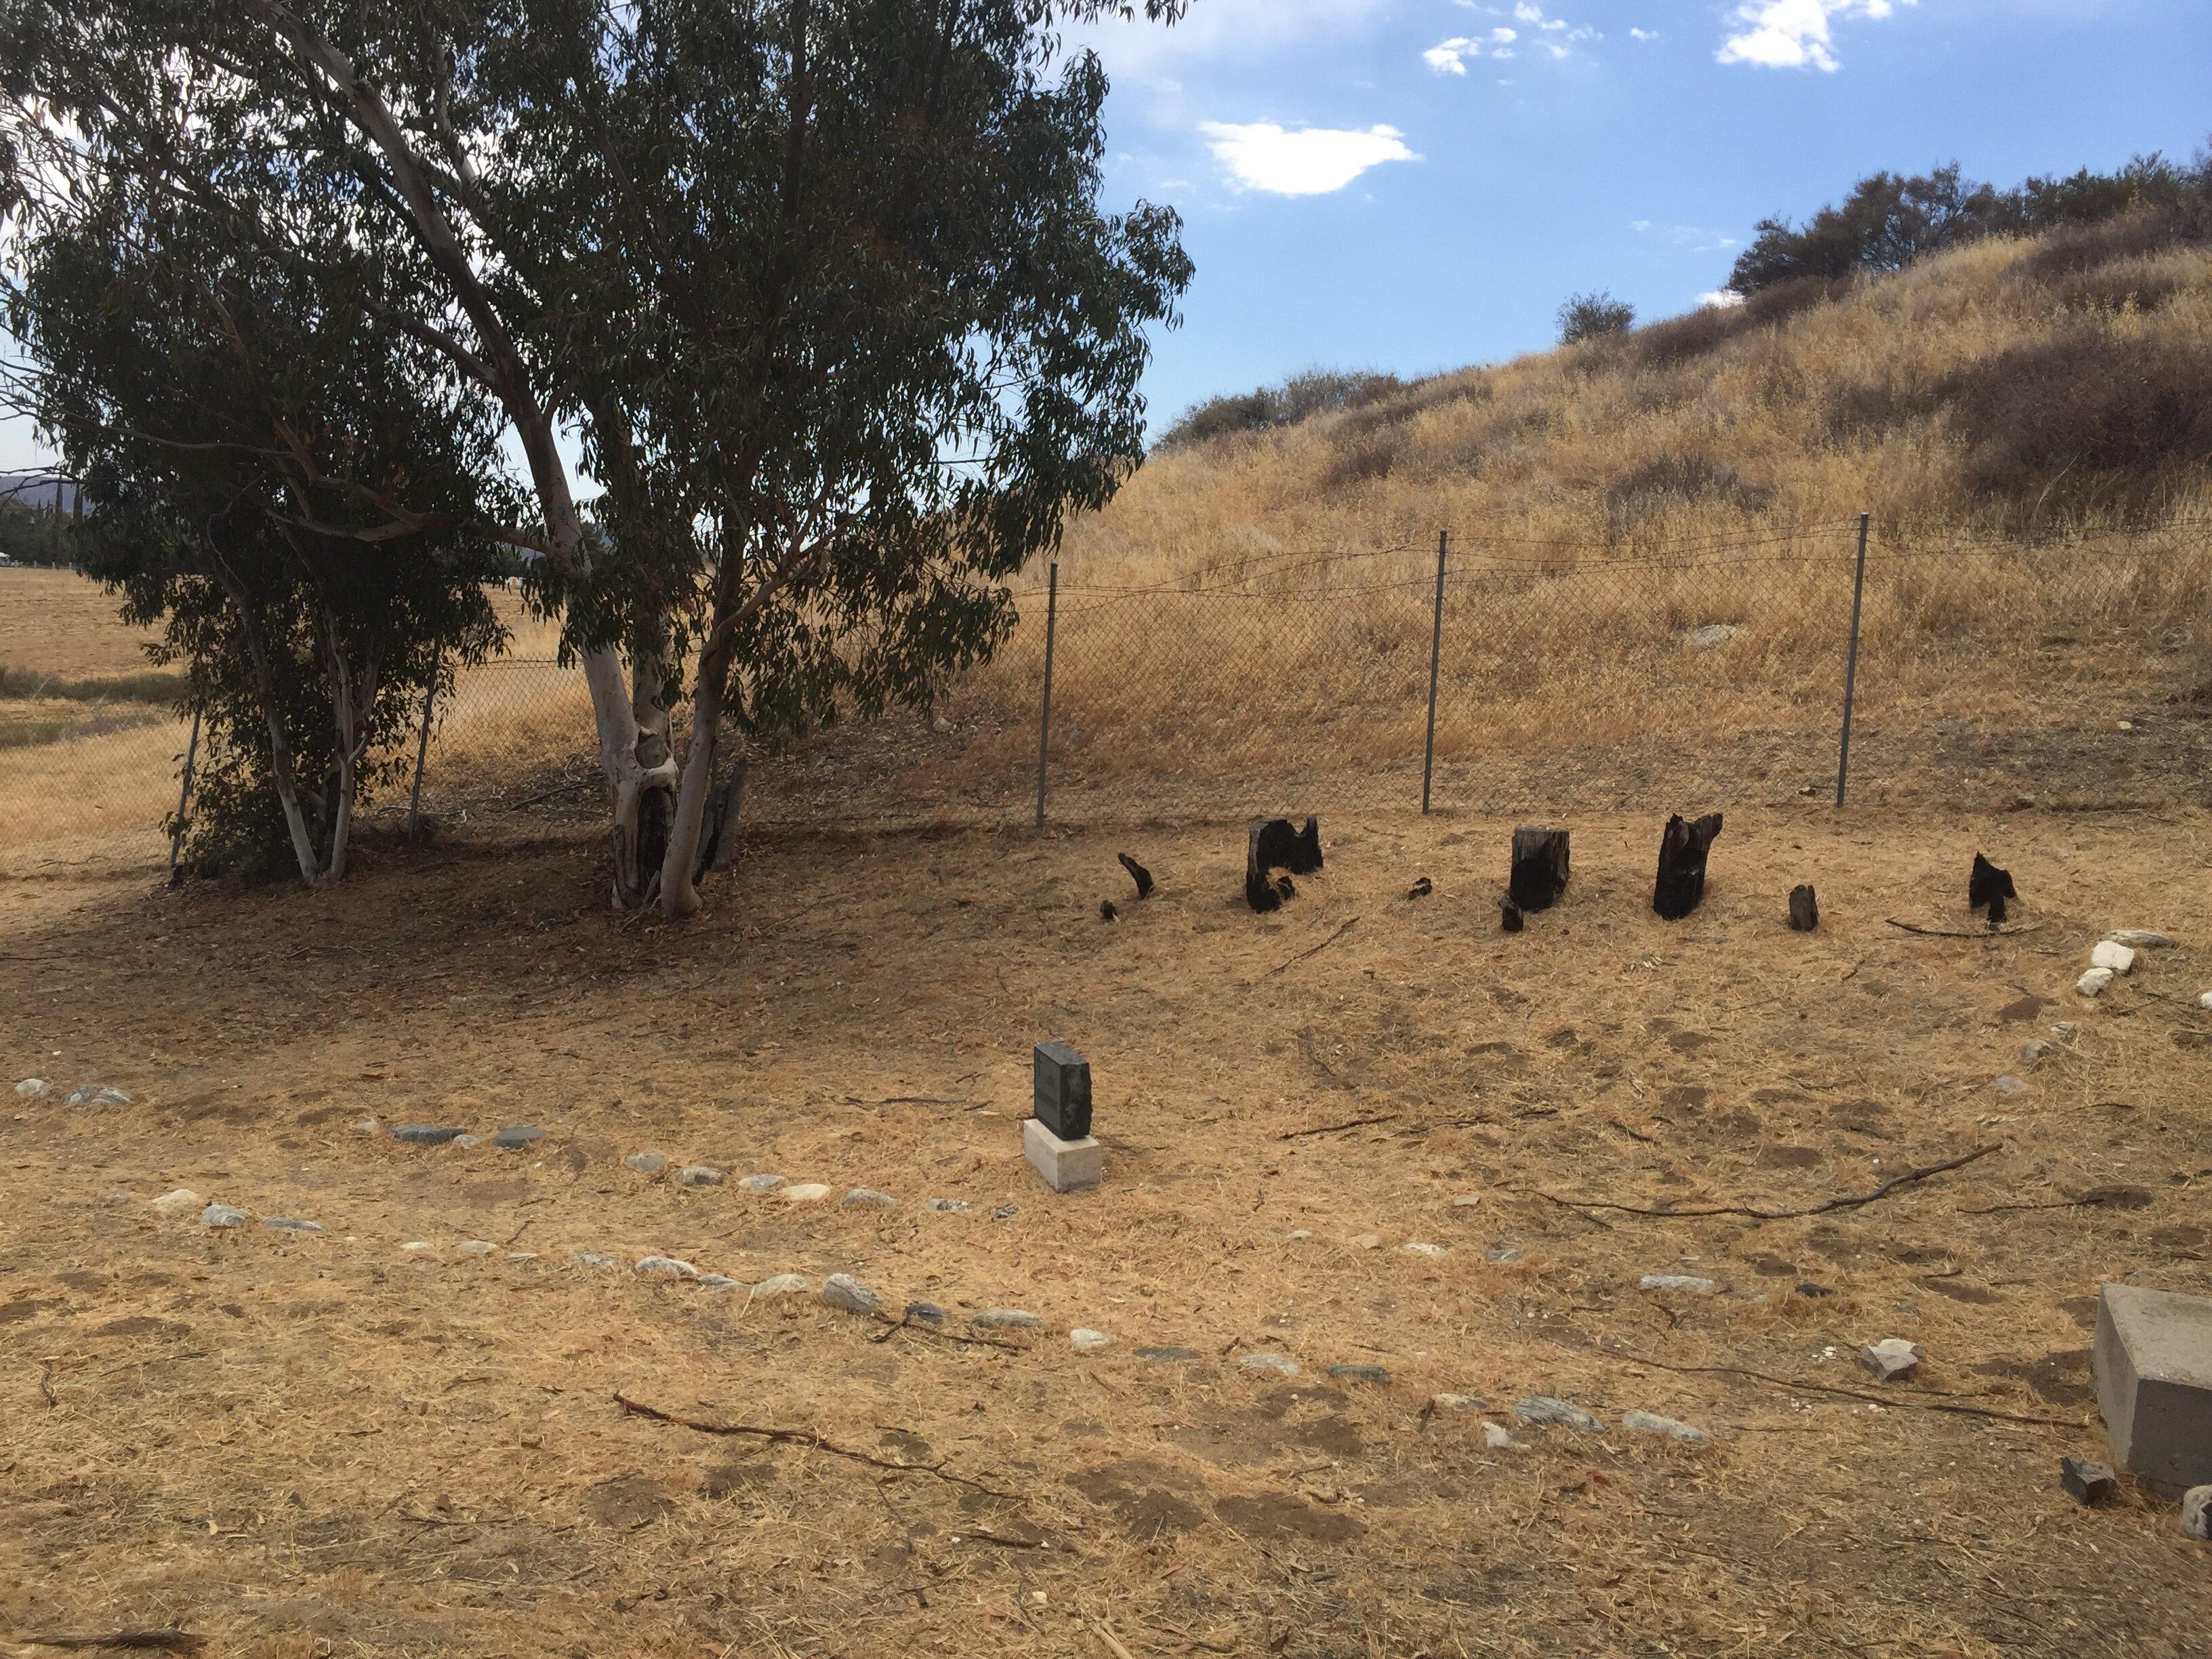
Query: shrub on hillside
{"points": [[1673, 480], [1315, 392], [1594, 317]]}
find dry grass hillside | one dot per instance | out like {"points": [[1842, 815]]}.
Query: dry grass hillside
{"points": [[1652, 584], [2022, 388]]}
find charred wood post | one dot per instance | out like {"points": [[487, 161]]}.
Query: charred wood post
{"points": [[1987, 885], [1138, 874], [1540, 868], [1804, 909], [1274, 844], [1682, 849]]}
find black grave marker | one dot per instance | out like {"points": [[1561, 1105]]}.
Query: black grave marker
{"points": [[1274, 844], [1061, 1100]]}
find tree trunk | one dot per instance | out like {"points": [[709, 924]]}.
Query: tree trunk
{"points": [[721, 852]]}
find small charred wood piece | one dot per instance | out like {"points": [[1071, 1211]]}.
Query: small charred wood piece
{"points": [[1804, 909], [1990, 886], [1540, 868], [1422, 888], [1107, 912], [1509, 916], [1138, 874], [1682, 849]]}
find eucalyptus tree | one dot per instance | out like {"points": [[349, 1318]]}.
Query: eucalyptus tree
{"points": [[296, 494], [824, 288]]}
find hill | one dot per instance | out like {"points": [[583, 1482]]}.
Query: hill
{"points": [[2028, 387]]}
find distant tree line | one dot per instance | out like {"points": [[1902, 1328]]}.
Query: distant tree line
{"points": [[1889, 220], [32, 535]]}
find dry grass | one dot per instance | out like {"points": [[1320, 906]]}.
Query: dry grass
{"points": [[307, 1445]]}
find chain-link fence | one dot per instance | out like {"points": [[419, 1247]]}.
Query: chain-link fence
{"points": [[1699, 672]]}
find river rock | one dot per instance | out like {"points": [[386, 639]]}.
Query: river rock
{"points": [[2197, 1512], [1281, 1364], [1010, 1319], [646, 1163], [426, 1135], [867, 1198], [845, 1291], [1086, 1341], [477, 1246], [761, 1184], [95, 1094], [781, 1285], [1652, 1423], [223, 1215], [2095, 983], [174, 1206], [664, 1267], [806, 1192], [1690, 1284], [1543, 1408], [700, 1174], [515, 1138], [290, 1225], [1891, 1357], [2114, 955], [32, 1087], [949, 1207]]}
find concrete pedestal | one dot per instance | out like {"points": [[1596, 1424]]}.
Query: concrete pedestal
{"points": [[1067, 1166], [2153, 1351]]}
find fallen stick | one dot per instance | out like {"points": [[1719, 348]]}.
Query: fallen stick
{"points": [[1909, 1178], [1970, 933], [906, 1322], [1315, 951], [803, 1437], [1332, 1128], [1799, 1382], [1111, 1641], [163, 1641]]}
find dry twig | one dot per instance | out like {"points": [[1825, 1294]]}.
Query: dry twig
{"points": [[1970, 933], [161, 1641], [1332, 1128], [1957, 1406], [1909, 1178], [804, 1437], [1315, 952]]}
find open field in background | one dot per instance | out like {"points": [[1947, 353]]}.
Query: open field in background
{"points": [[300, 1444]]}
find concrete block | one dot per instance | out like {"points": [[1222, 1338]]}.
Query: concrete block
{"points": [[1066, 1165], [2153, 1359]]}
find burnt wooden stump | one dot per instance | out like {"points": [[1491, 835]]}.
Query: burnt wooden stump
{"points": [[1274, 844], [1682, 850], [1804, 909], [1989, 886], [1540, 868]]}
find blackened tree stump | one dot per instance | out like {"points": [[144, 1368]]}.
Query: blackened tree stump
{"points": [[1540, 868], [1682, 849], [1804, 909]]}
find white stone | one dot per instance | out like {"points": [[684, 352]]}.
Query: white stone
{"points": [[666, 1267], [1689, 1283], [2205, 1001], [1366, 1240], [587, 1259], [1652, 1423], [1297, 1233], [2143, 939], [761, 1184], [1453, 1402], [1419, 1249], [415, 1247], [1498, 1439], [478, 1247], [32, 1087], [182, 1202], [845, 1291], [2197, 1512], [1009, 1319], [2111, 954], [1891, 1357], [1468, 1202], [781, 1285], [2095, 983], [646, 1163], [806, 1192], [1281, 1364], [1066, 1166], [867, 1198], [718, 1282], [1087, 1340], [1712, 635], [223, 1215]]}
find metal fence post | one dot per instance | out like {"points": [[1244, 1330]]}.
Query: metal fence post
{"points": [[1436, 657], [422, 755], [1044, 715], [1852, 664], [184, 797]]}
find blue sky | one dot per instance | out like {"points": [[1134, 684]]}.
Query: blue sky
{"points": [[1466, 166], [1415, 184]]}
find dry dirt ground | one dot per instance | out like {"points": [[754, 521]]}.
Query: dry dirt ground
{"points": [[298, 1443]]}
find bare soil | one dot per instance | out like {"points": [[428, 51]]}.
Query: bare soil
{"points": [[300, 1444]]}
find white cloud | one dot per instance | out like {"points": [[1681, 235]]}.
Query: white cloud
{"points": [[1450, 57], [1644, 34], [1794, 33], [1719, 299], [1303, 160]]}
